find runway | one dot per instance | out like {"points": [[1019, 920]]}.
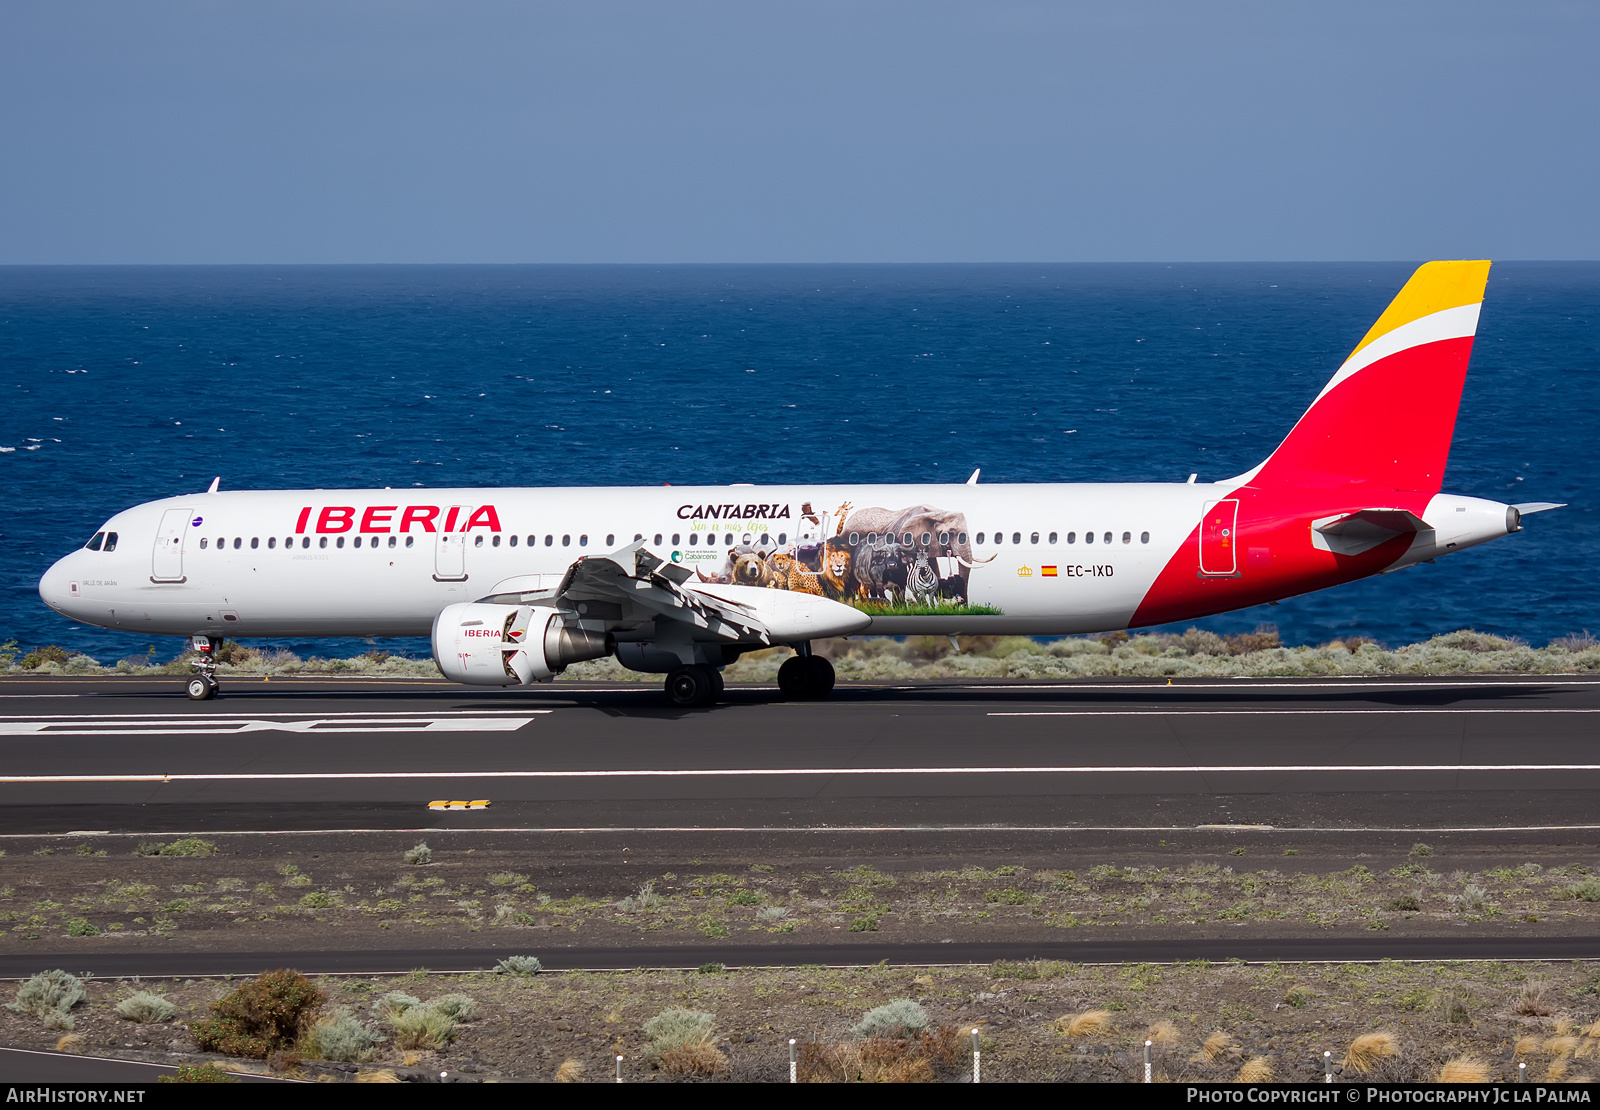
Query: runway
{"points": [[113, 754]]}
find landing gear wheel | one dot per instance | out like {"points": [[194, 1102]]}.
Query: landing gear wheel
{"points": [[716, 684], [795, 679], [821, 675], [691, 687], [201, 689]]}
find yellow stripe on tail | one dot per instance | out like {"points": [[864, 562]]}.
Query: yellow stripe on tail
{"points": [[1434, 287]]}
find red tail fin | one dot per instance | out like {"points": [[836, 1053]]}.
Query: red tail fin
{"points": [[1386, 418]]}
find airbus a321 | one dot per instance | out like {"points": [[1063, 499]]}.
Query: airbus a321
{"points": [[515, 585]]}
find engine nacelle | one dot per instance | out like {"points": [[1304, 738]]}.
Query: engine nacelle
{"points": [[483, 644]]}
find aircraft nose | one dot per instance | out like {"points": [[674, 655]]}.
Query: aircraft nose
{"points": [[59, 588]]}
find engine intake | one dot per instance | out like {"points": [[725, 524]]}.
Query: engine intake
{"points": [[484, 644]]}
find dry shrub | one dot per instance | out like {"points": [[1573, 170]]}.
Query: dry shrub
{"points": [[1527, 1045], [377, 1075], [1087, 1024], [72, 1042], [1368, 1050], [1533, 1001], [1219, 1047], [1587, 1047], [570, 1071], [1566, 1027], [1257, 1069], [883, 1059], [1561, 1045], [1464, 1069], [422, 1027], [261, 1016], [692, 1059], [1161, 1033], [1557, 1070]]}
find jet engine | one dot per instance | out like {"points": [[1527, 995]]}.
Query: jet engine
{"points": [[484, 644]]}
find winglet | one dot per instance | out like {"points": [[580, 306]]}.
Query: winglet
{"points": [[215, 482], [972, 481]]}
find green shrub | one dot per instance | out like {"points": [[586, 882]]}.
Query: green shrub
{"points": [[316, 900], [419, 855], [198, 1073], [422, 1027], [900, 1018], [1421, 850], [81, 927], [341, 1038], [50, 996], [679, 1028], [1587, 891], [394, 1002], [261, 1016], [50, 653], [145, 1008], [519, 965], [459, 1007], [190, 846]]}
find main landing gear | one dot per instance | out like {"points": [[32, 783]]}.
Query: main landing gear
{"points": [[806, 677], [694, 686], [203, 686]]}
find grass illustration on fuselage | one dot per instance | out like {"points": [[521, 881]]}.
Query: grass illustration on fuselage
{"points": [[926, 609]]}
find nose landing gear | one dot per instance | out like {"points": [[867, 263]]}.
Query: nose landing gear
{"points": [[203, 686]]}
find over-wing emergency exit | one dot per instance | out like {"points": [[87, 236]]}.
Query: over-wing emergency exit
{"points": [[515, 585]]}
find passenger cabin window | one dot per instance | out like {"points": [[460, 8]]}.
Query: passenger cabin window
{"points": [[961, 537], [1127, 537], [783, 537], [980, 537], [306, 542], [1016, 537], [357, 541], [95, 541], [202, 544], [1108, 537], [512, 541], [391, 540], [477, 541], [637, 537], [336, 543], [111, 542], [1144, 537], [855, 538], [658, 539], [272, 542], [255, 542], [566, 541], [728, 539], [548, 540], [694, 539], [1072, 537], [583, 541], [321, 542], [238, 542], [1052, 537], [1034, 538], [533, 541], [611, 539], [1088, 537], [409, 540], [674, 539]]}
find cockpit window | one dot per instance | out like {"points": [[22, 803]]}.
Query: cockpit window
{"points": [[111, 542], [94, 544]]}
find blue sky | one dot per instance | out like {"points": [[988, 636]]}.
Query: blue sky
{"points": [[594, 131]]}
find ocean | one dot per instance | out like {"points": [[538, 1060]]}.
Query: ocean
{"points": [[124, 384]]}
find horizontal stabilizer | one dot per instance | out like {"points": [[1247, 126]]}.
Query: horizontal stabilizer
{"points": [[1353, 533]]}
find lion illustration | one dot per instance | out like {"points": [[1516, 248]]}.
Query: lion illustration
{"points": [[838, 579]]}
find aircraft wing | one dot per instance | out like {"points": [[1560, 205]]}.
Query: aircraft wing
{"points": [[630, 586]]}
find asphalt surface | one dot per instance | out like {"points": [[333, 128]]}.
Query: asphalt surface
{"points": [[22, 1065], [111, 754]]}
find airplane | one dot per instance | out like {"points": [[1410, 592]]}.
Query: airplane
{"points": [[513, 585]]}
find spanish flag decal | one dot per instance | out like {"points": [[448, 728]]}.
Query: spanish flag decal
{"points": [[1048, 572]]}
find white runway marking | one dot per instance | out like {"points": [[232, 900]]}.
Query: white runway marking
{"points": [[1273, 684], [370, 714], [811, 772], [1380, 710], [211, 726]]}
